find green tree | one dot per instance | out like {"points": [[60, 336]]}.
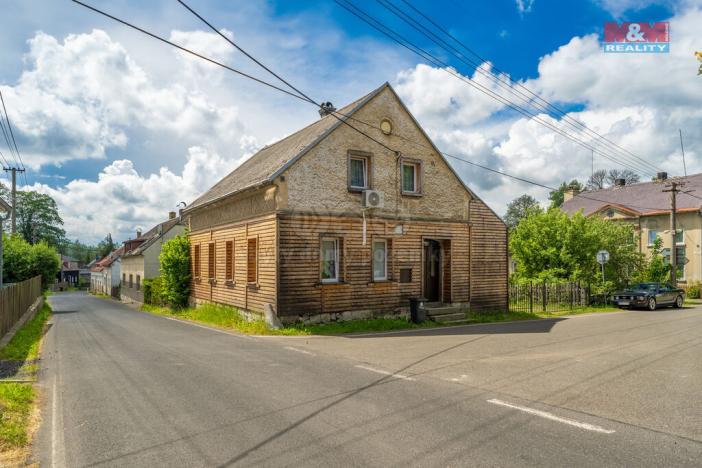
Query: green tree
{"points": [[520, 208], [656, 268], [84, 253], [23, 260], [554, 246], [106, 246], [175, 270], [38, 218], [557, 196]]}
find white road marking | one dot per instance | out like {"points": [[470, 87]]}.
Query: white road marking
{"points": [[462, 378], [552, 417], [384, 372], [298, 350]]}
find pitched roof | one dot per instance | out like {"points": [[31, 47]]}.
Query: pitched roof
{"points": [[267, 163], [646, 198], [108, 260], [153, 235]]}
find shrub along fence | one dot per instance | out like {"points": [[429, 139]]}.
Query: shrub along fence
{"points": [[15, 300], [547, 297]]}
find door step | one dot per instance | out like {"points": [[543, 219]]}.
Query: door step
{"points": [[443, 313]]}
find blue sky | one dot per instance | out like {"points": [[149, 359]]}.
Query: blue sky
{"points": [[100, 108]]}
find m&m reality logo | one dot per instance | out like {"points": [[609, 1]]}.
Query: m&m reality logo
{"points": [[637, 37]]}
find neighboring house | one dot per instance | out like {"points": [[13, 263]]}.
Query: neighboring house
{"points": [[647, 208], [69, 272], [288, 229], [140, 260], [105, 274]]}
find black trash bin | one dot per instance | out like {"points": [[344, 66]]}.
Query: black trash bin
{"points": [[416, 312]]}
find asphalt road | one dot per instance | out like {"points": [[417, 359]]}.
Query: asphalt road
{"points": [[125, 388]]}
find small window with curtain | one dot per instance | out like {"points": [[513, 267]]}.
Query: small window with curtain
{"points": [[138, 283], [196, 261], [211, 261], [252, 260], [229, 261], [380, 260], [359, 171], [411, 177], [329, 260]]}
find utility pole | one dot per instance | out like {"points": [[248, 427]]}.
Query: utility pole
{"points": [[682, 148], [14, 171], [674, 188]]}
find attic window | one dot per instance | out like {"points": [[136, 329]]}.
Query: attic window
{"points": [[358, 171], [411, 177], [609, 213]]}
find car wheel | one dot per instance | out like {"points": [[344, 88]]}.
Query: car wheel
{"points": [[678, 302], [651, 304]]}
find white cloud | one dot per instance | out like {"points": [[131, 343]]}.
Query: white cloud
{"points": [[85, 95], [637, 101], [121, 199], [524, 6]]}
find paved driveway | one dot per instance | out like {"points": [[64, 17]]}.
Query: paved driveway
{"points": [[124, 388]]}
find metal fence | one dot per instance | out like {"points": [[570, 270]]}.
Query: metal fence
{"points": [[15, 300], [547, 297]]}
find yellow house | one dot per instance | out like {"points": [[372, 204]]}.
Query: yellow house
{"points": [[647, 207]]}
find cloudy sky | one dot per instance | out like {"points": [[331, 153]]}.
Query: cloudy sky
{"points": [[119, 128]]}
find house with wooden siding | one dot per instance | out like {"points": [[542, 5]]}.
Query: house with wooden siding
{"points": [[347, 218]]}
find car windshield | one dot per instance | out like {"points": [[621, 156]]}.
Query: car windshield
{"points": [[645, 286]]}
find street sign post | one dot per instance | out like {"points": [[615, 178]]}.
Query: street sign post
{"points": [[602, 258]]}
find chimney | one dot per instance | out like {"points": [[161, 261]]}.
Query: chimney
{"points": [[569, 194], [171, 214], [619, 182], [662, 176], [326, 108], [138, 233]]}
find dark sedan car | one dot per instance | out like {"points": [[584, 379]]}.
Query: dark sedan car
{"points": [[650, 296]]}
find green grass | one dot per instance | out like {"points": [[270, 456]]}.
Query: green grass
{"points": [[16, 400], [24, 346], [230, 318], [100, 295]]}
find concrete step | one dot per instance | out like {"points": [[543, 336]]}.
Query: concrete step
{"points": [[447, 318], [441, 310]]}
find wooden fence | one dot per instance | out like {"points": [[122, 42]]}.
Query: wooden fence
{"points": [[547, 297], [15, 299]]}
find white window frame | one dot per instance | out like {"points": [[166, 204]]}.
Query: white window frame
{"points": [[650, 244], [416, 167], [322, 259], [385, 251], [682, 235], [681, 267], [365, 185]]}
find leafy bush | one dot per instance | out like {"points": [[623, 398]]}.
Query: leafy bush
{"points": [[153, 291], [693, 290], [553, 246], [175, 270], [656, 269], [23, 260]]}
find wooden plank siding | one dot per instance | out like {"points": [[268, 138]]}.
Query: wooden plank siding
{"points": [[240, 292], [488, 268], [301, 292]]}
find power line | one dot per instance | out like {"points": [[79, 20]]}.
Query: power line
{"points": [[346, 117], [501, 73], [14, 142], [351, 117], [368, 19]]}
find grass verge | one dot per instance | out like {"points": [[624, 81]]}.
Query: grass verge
{"points": [[230, 318], [17, 400]]}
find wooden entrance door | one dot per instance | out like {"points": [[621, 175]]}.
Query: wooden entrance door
{"points": [[432, 270]]}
